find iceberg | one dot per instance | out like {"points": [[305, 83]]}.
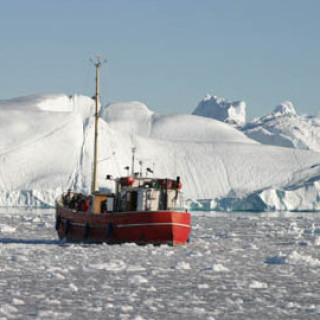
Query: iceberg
{"points": [[47, 148]]}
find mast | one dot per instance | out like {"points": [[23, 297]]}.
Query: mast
{"points": [[97, 63], [132, 162]]}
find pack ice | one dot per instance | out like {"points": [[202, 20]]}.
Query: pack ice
{"points": [[46, 148]]}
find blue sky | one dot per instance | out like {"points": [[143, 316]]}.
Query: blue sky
{"points": [[165, 53]]}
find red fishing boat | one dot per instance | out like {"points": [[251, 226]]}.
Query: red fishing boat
{"points": [[142, 210]]}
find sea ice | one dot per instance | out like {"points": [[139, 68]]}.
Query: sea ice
{"points": [[6, 228], [219, 268], [260, 282], [137, 279], [257, 285], [183, 265], [116, 265]]}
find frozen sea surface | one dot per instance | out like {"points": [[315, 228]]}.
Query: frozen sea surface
{"points": [[237, 266]]}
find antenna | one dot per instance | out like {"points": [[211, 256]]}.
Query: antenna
{"points": [[140, 162], [97, 63], [98, 60], [148, 170], [127, 168]]}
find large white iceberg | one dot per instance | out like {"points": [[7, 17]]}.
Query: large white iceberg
{"points": [[46, 148]]}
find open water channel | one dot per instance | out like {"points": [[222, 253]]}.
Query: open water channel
{"points": [[237, 266]]}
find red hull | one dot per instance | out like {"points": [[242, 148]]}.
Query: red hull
{"points": [[142, 227]]}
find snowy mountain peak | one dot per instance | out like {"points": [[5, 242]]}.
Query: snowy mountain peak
{"points": [[218, 108], [285, 108]]}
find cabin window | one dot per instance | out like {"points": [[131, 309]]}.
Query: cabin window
{"points": [[110, 204]]}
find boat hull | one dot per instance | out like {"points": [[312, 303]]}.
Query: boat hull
{"points": [[142, 227]]}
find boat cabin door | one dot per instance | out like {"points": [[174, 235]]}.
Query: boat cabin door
{"points": [[131, 201]]}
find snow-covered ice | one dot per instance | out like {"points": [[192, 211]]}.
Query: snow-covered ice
{"points": [[237, 266], [6, 228]]}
